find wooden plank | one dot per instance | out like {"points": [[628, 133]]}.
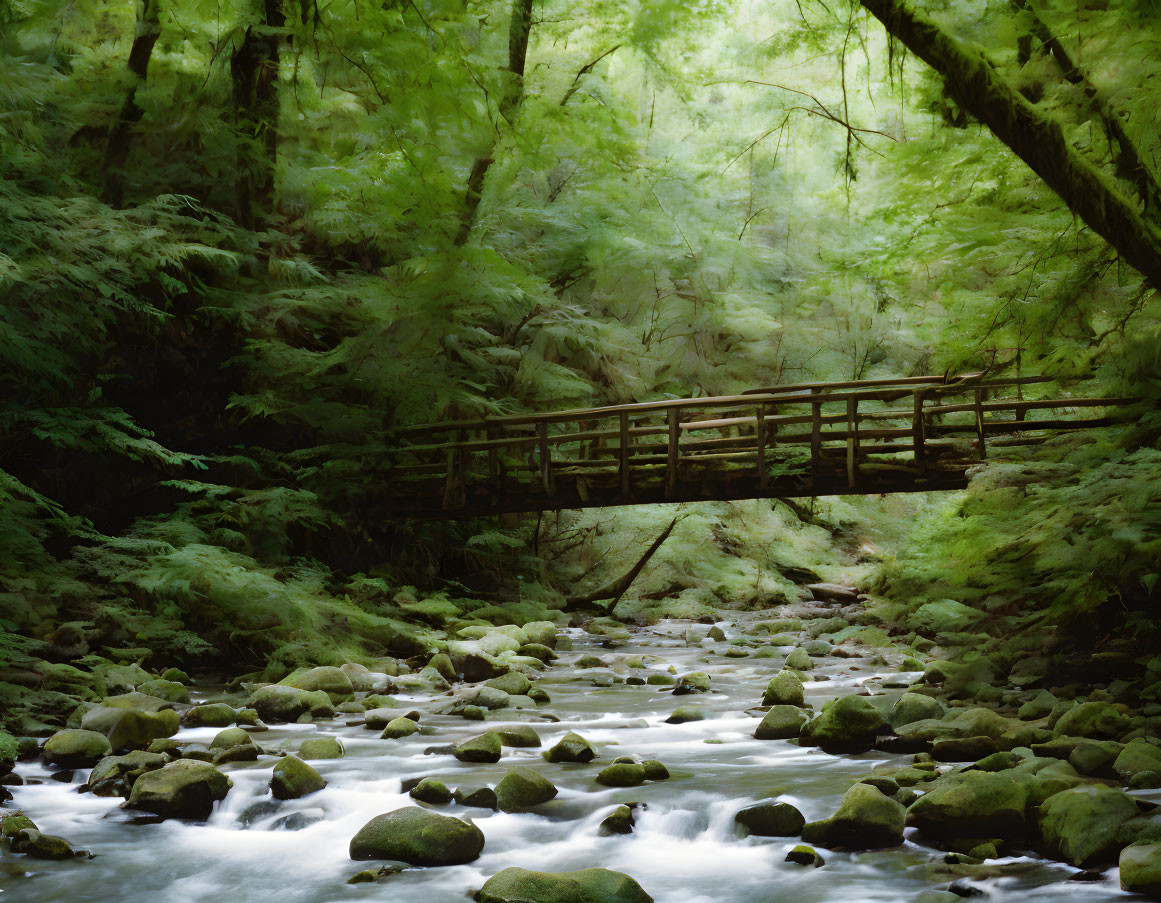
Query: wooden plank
{"points": [[623, 466], [1044, 403], [673, 451]]}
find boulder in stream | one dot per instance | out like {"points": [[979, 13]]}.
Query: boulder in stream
{"points": [[216, 714], [865, 820], [398, 728], [73, 748], [431, 791], [522, 788], [785, 688], [696, 682], [293, 778], [1097, 720], [129, 728], [182, 789], [619, 821], [973, 804], [115, 775], [782, 722], [572, 747], [321, 748], [622, 774], [846, 724], [31, 842], [684, 714], [1080, 826], [516, 885], [330, 680], [418, 837], [1140, 867], [770, 820], [484, 748]]}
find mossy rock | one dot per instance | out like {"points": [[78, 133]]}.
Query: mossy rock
{"points": [[846, 724], [13, 822], [1137, 756], [397, 728], [32, 843], [1080, 825], [695, 682], [321, 748], [973, 804], [784, 688], [182, 789], [169, 690], [522, 788], [216, 714], [76, 748], [277, 703], [330, 680], [231, 736], [622, 774], [1096, 720], [477, 796], [538, 651], [9, 750], [520, 736], [484, 748], [1140, 868], [441, 662], [418, 837], [770, 820], [805, 855], [115, 775], [513, 683], [130, 728], [596, 885], [684, 714], [655, 771], [866, 819], [782, 722], [912, 707], [572, 747], [619, 821], [292, 778], [432, 791], [800, 660]]}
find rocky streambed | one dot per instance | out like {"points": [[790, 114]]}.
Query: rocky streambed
{"points": [[747, 761]]}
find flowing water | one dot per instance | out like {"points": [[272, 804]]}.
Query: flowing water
{"points": [[683, 849]]}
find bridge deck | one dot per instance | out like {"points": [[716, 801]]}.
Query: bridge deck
{"points": [[812, 439]]}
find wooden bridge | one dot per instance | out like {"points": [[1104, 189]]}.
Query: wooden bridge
{"points": [[840, 438]]}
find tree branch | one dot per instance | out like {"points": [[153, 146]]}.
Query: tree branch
{"points": [[617, 588]]}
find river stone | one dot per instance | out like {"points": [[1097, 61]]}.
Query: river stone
{"points": [[973, 804], [486, 697], [74, 748], [114, 775], [130, 728], [293, 778], [522, 788], [571, 747], [696, 682], [785, 688], [1094, 757], [442, 664], [484, 748], [770, 820], [477, 796], [799, 660], [398, 728], [805, 855], [537, 651], [280, 703], [17, 821], [320, 748], [332, 681], [655, 771], [41, 846], [657, 679], [684, 714], [513, 683], [1137, 756], [521, 736], [1145, 780], [182, 789], [216, 714], [622, 774], [542, 633], [417, 837], [1096, 720], [516, 885], [911, 707], [1080, 825], [429, 790], [782, 722], [169, 690], [963, 749], [619, 821], [866, 819], [846, 724], [230, 737], [1039, 706], [1140, 867]]}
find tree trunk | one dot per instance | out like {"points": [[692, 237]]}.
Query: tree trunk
{"points": [[519, 30], [1032, 135], [254, 71], [147, 32], [617, 588]]}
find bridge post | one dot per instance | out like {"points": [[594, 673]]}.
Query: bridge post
{"points": [[546, 476], [763, 475], [815, 441], [852, 441], [673, 452], [981, 445], [623, 462], [919, 432]]}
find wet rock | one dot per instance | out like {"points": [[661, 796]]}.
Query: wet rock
{"points": [[246, 752], [770, 820], [697, 682], [782, 722], [231, 736], [1137, 756], [999, 761], [846, 724], [622, 774], [182, 789], [660, 680], [476, 667], [785, 688], [538, 652], [655, 771], [332, 681], [619, 821], [522, 788], [866, 819], [1080, 825], [321, 748], [516, 885], [805, 855], [716, 634], [541, 632], [169, 690], [1097, 720], [685, 714], [73, 748], [513, 683], [16, 821], [1094, 757], [128, 728], [520, 736], [487, 697], [1039, 706], [973, 804], [429, 790], [477, 796], [418, 837], [1140, 868], [799, 660], [114, 775], [277, 703], [912, 707], [366, 876], [216, 714], [398, 728], [31, 842], [296, 821], [1145, 780], [539, 696], [571, 747], [441, 663], [484, 748], [472, 712], [965, 749], [293, 778]]}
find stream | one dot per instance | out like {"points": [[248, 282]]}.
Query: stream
{"points": [[684, 848]]}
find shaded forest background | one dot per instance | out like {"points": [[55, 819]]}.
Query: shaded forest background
{"points": [[241, 242]]}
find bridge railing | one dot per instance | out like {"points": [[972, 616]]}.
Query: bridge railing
{"points": [[830, 436]]}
